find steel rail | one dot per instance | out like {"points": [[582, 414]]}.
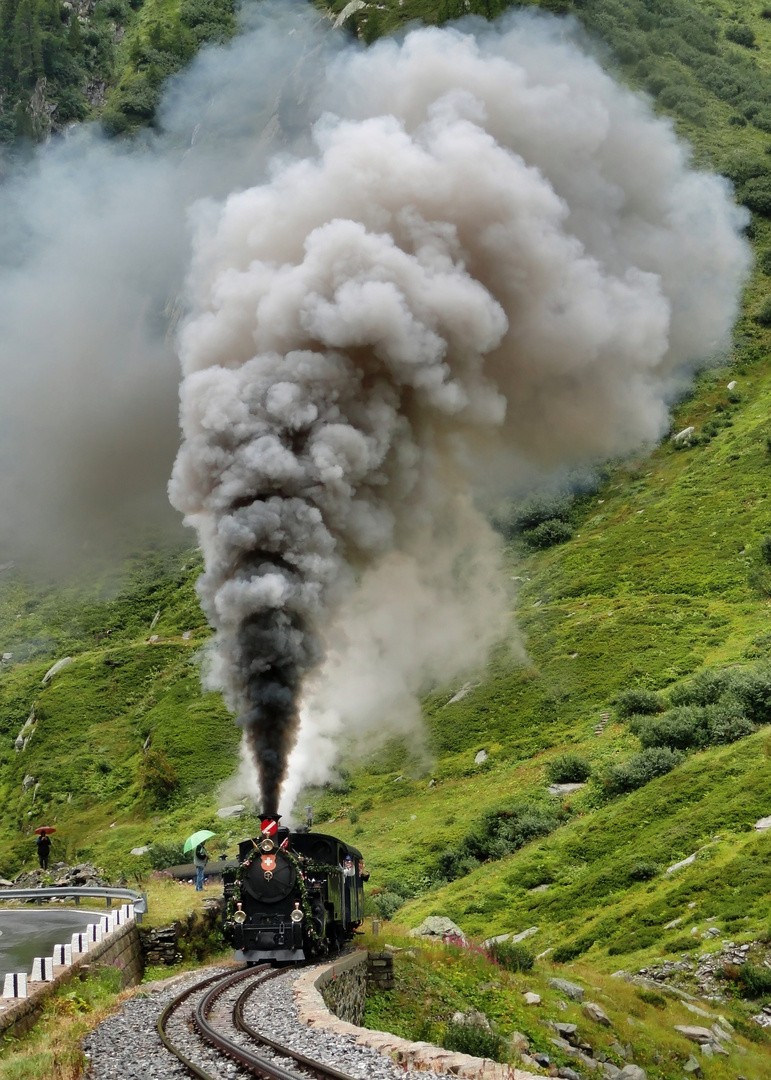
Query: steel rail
{"points": [[173, 1005], [326, 1072], [255, 1063]]}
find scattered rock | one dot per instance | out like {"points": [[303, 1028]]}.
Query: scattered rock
{"points": [[569, 989], [531, 998], [684, 434], [481, 757], [27, 782], [539, 888], [674, 923], [524, 934], [140, 850], [231, 811], [187, 635], [699, 1035], [565, 1031], [472, 1018], [612, 1072], [438, 926], [567, 1073], [679, 865], [464, 690], [564, 789], [633, 1072], [519, 1042], [432, 783], [63, 663], [732, 385], [692, 1066], [763, 824], [594, 1012]]}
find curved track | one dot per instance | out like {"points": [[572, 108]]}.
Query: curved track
{"points": [[257, 1063]]}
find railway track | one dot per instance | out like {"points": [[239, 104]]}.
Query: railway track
{"points": [[230, 1035]]}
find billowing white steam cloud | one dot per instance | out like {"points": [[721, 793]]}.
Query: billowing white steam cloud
{"points": [[487, 248]]}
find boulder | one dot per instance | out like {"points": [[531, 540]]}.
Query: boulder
{"points": [[531, 998], [27, 782], [472, 1018], [681, 436], [231, 811], [481, 757], [699, 1035], [692, 1067], [679, 865], [596, 1013], [437, 926], [675, 922], [569, 989], [140, 850], [567, 1073], [57, 667], [612, 1072], [763, 824], [632, 1072], [519, 1042], [564, 789]]}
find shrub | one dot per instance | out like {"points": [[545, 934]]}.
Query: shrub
{"points": [[643, 871], [516, 518], [680, 728], [741, 34], [547, 534], [766, 13], [680, 945], [763, 315], [652, 997], [157, 777], [706, 688], [498, 834], [756, 193], [512, 955], [571, 950], [473, 1039], [568, 769], [756, 981], [353, 816], [641, 768], [386, 904], [165, 853], [634, 701]]}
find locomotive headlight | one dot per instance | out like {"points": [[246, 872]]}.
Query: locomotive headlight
{"points": [[296, 915], [239, 916], [267, 845]]}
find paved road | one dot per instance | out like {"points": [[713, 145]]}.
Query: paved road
{"points": [[34, 932]]}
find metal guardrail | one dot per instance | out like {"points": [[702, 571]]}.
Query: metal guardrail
{"points": [[139, 900]]}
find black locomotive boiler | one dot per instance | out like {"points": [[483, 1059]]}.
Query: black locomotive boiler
{"points": [[293, 895]]}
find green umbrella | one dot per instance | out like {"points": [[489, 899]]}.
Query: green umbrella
{"points": [[196, 839]]}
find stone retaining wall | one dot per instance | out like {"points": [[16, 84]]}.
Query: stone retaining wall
{"points": [[310, 990], [343, 986], [121, 949]]}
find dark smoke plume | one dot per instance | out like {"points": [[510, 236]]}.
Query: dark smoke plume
{"points": [[483, 249]]}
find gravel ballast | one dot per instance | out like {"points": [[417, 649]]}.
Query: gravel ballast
{"points": [[127, 1046]]}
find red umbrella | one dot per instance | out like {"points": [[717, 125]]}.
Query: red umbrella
{"points": [[45, 830]]}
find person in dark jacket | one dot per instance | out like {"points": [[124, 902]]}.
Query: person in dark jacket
{"points": [[43, 850]]}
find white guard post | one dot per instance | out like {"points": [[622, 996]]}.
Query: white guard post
{"points": [[62, 956], [42, 969], [15, 985]]}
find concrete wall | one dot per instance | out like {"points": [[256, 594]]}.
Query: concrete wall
{"points": [[120, 949]]}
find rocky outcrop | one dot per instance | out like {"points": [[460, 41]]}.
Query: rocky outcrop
{"points": [[439, 927]]}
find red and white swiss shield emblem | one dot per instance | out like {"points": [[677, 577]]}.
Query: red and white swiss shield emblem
{"points": [[268, 862]]}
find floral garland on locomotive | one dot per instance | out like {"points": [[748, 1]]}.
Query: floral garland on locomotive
{"points": [[292, 895]]}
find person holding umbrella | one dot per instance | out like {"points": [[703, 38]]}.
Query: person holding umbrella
{"points": [[44, 844], [195, 843]]}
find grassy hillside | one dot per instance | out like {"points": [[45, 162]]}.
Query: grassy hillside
{"points": [[665, 575]]}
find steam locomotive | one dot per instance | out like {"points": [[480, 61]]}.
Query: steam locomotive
{"points": [[292, 895]]}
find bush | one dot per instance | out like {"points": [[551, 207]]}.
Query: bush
{"points": [[514, 956], [157, 777], [499, 833], [643, 871], [756, 981], [680, 728], [568, 769], [386, 904], [636, 701], [652, 997], [756, 194], [741, 34], [516, 518], [571, 950], [547, 534], [164, 853], [641, 769], [763, 315], [680, 945], [473, 1039]]}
